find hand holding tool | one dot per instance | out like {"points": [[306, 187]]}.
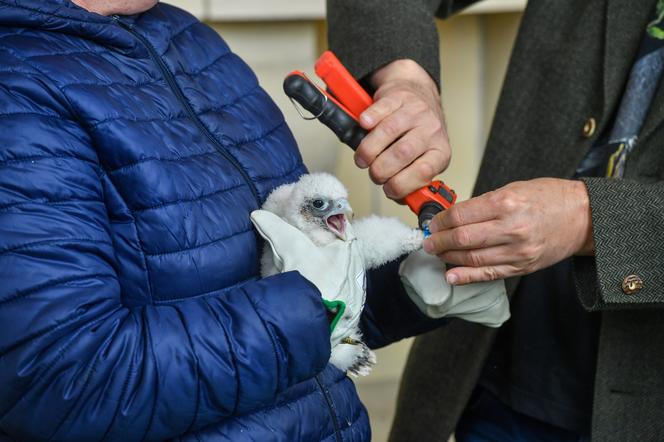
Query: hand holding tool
{"points": [[340, 109]]}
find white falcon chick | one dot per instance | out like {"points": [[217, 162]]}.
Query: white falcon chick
{"points": [[317, 205]]}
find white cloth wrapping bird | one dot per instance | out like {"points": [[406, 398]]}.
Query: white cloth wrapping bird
{"points": [[336, 268]]}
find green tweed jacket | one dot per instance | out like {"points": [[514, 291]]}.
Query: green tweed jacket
{"points": [[570, 63]]}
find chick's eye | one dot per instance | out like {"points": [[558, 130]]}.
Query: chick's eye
{"points": [[319, 204]]}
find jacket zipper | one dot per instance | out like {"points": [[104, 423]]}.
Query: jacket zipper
{"points": [[333, 414], [168, 76], [170, 79]]}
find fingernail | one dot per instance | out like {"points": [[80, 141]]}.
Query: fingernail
{"points": [[433, 227], [361, 163], [366, 120], [428, 245], [452, 278]]}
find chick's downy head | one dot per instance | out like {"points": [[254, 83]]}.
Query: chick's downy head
{"points": [[317, 205]]}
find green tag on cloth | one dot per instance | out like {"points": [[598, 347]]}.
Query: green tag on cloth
{"points": [[335, 310]]}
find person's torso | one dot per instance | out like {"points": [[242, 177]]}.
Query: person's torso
{"points": [[187, 144], [568, 66]]}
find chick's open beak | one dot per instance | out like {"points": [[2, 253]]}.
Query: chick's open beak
{"points": [[339, 215]]}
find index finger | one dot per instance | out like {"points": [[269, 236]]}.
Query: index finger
{"points": [[474, 210], [378, 111]]}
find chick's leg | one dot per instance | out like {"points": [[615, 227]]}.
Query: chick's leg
{"points": [[353, 356]]}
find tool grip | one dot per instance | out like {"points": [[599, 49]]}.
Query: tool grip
{"points": [[342, 84], [325, 109], [425, 202]]}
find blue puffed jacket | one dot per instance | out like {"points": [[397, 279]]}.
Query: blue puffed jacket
{"points": [[132, 150]]}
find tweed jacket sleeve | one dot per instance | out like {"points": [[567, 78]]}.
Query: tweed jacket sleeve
{"points": [[628, 224], [369, 34]]}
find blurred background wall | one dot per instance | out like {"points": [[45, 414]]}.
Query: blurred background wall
{"points": [[277, 36]]}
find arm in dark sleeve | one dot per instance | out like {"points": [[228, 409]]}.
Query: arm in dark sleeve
{"points": [[369, 34], [628, 224], [389, 314], [76, 363]]}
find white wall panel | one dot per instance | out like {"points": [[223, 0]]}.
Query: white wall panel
{"points": [[231, 10], [196, 7]]}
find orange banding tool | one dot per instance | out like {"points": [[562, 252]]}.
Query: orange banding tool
{"points": [[339, 108]]}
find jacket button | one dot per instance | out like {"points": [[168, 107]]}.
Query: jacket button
{"points": [[632, 284], [589, 128]]}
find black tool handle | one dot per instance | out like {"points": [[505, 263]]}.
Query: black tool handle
{"points": [[325, 109]]}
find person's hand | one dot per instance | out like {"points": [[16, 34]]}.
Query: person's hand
{"points": [[515, 230], [407, 144]]}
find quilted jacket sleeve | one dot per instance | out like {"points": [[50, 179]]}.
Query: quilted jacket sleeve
{"points": [[628, 224], [75, 363], [368, 34]]}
